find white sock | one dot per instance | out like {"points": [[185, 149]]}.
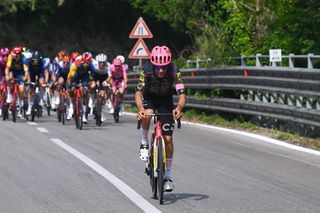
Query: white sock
{"points": [[144, 137], [168, 169]]}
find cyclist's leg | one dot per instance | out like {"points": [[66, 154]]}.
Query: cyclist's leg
{"points": [[122, 91], [71, 97], [166, 106], [112, 97], [21, 94], [85, 92], [148, 103], [41, 81], [91, 102]]}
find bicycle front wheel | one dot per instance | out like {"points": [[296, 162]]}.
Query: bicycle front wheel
{"points": [[160, 168]]}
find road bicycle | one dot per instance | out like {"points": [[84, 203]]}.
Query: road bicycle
{"points": [[62, 107], [4, 104], [47, 97], [99, 103], [157, 157], [78, 109], [36, 109], [12, 106], [116, 105]]}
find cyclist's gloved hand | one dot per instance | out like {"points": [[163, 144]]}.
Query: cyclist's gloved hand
{"points": [[177, 113], [104, 83], [141, 114]]}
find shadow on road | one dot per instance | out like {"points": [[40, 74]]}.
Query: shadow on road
{"points": [[170, 198]]}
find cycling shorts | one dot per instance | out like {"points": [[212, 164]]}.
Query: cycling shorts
{"points": [[34, 75], [161, 104], [19, 76]]}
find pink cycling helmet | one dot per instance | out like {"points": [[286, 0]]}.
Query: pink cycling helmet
{"points": [[160, 56], [116, 62], [4, 51]]}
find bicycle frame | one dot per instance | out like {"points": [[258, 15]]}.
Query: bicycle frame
{"points": [[78, 106], [157, 156], [13, 104]]}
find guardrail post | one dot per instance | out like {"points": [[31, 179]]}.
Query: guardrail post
{"points": [[291, 60], [197, 63], [188, 62], [258, 64], [310, 65], [242, 58], [273, 64]]}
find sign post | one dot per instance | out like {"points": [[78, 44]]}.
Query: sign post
{"points": [[140, 50], [275, 55]]}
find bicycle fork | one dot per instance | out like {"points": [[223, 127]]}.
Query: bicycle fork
{"points": [[156, 153]]}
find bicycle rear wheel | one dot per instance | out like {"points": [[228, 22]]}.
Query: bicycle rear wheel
{"points": [[98, 112], [160, 169], [80, 114], [116, 113]]}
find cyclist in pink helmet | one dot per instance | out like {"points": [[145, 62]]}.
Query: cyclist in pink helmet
{"points": [[155, 92], [4, 53], [117, 78]]}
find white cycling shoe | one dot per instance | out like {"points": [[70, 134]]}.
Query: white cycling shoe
{"points": [[143, 155], [168, 185]]}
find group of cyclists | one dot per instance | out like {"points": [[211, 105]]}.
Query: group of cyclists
{"points": [[65, 71], [158, 82]]}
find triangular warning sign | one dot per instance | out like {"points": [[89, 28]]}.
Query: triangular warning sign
{"points": [[140, 50], [140, 30]]}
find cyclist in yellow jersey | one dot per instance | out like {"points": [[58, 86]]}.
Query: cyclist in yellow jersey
{"points": [[16, 68]]}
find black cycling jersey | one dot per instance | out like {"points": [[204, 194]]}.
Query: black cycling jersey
{"points": [[149, 83]]}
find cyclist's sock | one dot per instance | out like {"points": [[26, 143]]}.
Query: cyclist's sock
{"points": [[21, 102], [168, 168], [144, 137]]}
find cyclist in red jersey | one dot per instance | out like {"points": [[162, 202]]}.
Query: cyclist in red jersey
{"points": [[155, 91]]}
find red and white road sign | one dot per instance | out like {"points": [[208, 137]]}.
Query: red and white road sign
{"points": [[140, 50], [140, 30]]}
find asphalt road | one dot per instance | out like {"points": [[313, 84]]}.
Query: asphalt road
{"points": [[47, 167]]}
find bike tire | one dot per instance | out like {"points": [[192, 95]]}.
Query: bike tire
{"points": [[153, 179], [98, 113], [5, 113], [14, 116], [80, 114], [63, 115], [59, 114], [116, 114], [33, 115], [48, 105], [160, 169]]}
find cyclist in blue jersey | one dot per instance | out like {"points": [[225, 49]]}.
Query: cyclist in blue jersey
{"points": [[38, 69], [155, 91]]}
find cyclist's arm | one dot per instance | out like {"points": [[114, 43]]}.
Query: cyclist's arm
{"points": [[179, 86], [138, 97], [8, 65], [26, 73], [141, 110]]}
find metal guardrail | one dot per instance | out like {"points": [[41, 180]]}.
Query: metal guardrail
{"points": [[281, 93], [263, 60]]}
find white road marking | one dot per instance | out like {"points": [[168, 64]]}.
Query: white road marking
{"points": [[255, 136], [41, 129], [137, 199]]}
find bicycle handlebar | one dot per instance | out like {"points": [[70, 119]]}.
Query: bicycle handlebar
{"points": [[159, 114]]}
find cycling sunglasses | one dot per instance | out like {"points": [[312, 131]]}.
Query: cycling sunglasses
{"points": [[160, 67], [66, 62]]}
